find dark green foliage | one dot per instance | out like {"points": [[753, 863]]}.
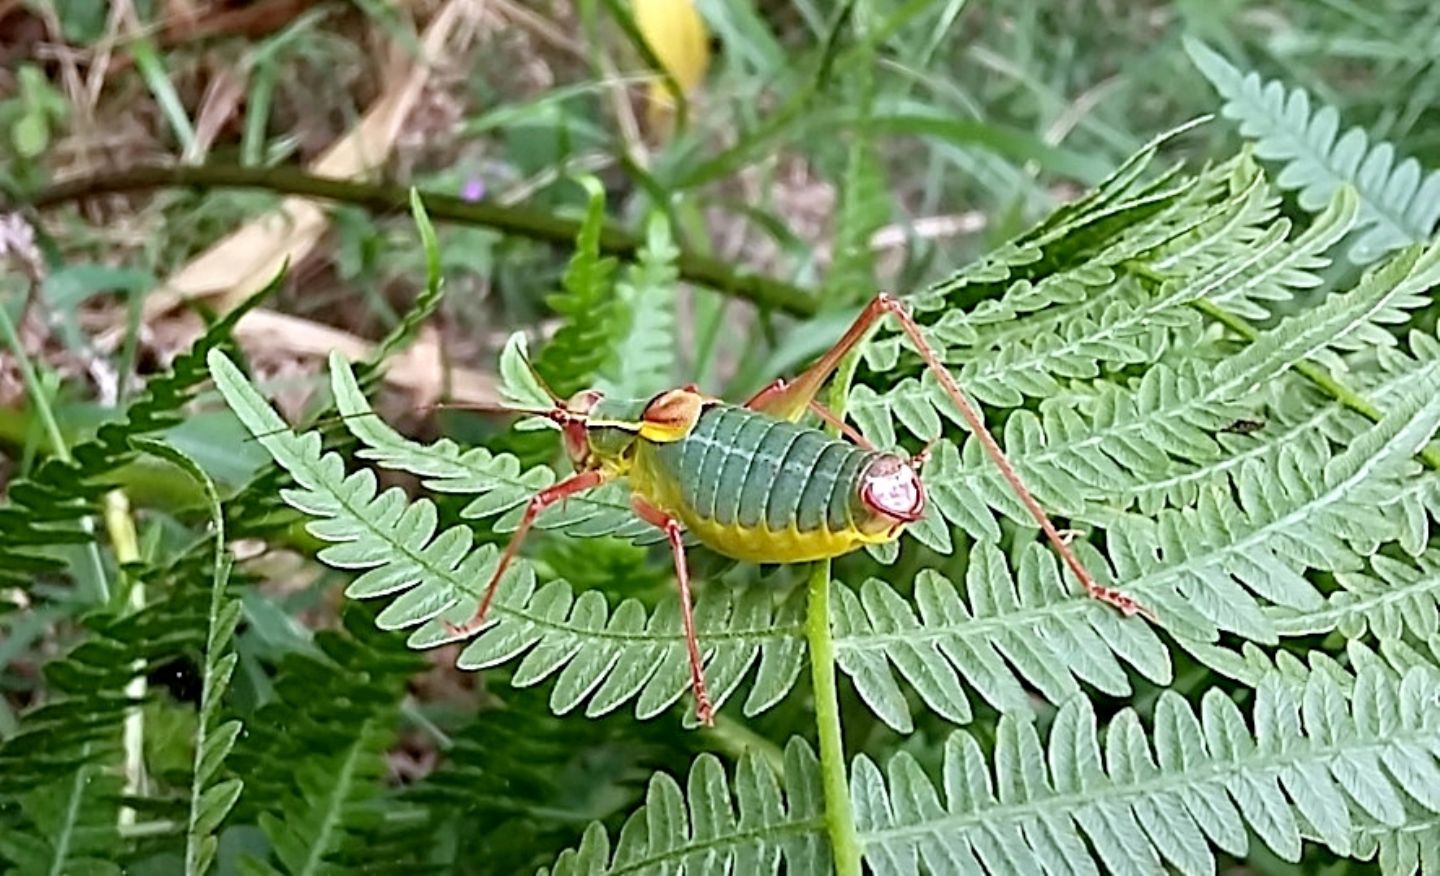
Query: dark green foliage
{"points": [[582, 346], [517, 780], [645, 363], [57, 760], [65, 826], [314, 758], [84, 712], [45, 509]]}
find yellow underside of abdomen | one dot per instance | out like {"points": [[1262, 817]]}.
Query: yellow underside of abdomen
{"points": [[757, 544]]}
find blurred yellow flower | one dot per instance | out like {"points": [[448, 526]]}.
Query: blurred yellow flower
{"points": [[677, 35]]}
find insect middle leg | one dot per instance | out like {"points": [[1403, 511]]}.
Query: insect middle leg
{"points": [[674, 532], [577, 483], [790, 399]]}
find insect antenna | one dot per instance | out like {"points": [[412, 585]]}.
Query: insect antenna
{"points": [[483, 407], [320, 424]]}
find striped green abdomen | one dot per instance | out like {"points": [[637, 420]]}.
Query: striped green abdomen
{"points": [[757, 488]]}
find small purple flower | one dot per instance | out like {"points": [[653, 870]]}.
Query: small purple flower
{"points": [[473, 189]]}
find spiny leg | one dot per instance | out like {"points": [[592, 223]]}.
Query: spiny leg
{"points": [[788, 399], [1110, 595], [675, 533], [577, 483]]}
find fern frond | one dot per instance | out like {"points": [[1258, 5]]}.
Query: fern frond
{"points": [[210, 801], [751, 825], [66, 826], [45, 509], [1125, 444], [584, 341], [603, 658], [645, 364], [1118, 318], [1316, 765], [1400, 204], [330, 790], [978, 308], [314, 757], [1071, 232]]}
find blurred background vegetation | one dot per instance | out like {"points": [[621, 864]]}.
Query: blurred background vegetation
{"points": [[835, 149]]}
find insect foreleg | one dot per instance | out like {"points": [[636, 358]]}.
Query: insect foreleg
{"points": [[675, 534], [577, 483]]}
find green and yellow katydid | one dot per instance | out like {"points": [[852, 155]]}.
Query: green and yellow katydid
{"points": [[750, 482]]}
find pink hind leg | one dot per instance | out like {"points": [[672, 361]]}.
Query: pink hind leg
{"points": [[788, 399], [675, 533]]}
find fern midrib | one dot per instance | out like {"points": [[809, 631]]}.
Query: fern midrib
{"points": [[741, 839], [1304, 366], [335, 803], [1362, 605], [1159, 783], [72, 817], [1413, 824]]}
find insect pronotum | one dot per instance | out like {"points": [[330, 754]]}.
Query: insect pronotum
{"points": [[750, 482]]}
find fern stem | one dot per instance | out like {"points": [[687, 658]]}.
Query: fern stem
{"points": [[61, 843], [381, 198], [124, 541], [323, 840], [839, 815], [37, 391], [839, 811]]}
